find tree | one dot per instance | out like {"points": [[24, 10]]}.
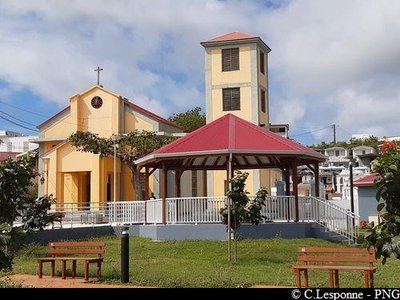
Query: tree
{"points": [[16, 177], [384, 237], [243, 209], [189, 120], [131, 147]]}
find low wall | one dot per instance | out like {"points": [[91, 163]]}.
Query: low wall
{"points": [[218, 231], [186, 232], [80, 233]]}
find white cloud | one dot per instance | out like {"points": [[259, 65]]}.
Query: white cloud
{"points": [[331, 62]]}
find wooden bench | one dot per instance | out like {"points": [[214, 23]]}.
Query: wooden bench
{"points": [[334, 260], [73, 251]]}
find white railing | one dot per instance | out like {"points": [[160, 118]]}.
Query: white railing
{"points": [[75, 214], [195, 209], [127, 212], [279, 208], [332, 217], [154, 211]]}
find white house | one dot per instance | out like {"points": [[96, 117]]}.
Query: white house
{"points": [[16, 142]]}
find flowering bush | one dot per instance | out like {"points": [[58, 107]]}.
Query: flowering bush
{"points": [[388, 147], [363, 224], [384, 236]]}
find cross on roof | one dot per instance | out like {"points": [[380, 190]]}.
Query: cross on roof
{"points": [[98, 70]]}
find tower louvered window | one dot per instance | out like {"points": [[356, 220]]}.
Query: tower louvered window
{"points": [[231, 99], [230, 59]]}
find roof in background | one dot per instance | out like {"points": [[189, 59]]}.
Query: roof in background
{"points": [[6, 155], [235, 36], [367, 180]]}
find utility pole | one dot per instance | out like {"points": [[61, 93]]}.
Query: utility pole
{"points": [[334, 133]]}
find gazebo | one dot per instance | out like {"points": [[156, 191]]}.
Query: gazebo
{"points": [[230, 143]]}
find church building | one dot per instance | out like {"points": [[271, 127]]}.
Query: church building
{"points": [[82, 178]]}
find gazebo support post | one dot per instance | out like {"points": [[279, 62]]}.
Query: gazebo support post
{"points": [[164, 193], [295, 190], [287, 181], [287, 190], [316, 175], [146, 191], [178, 175]]}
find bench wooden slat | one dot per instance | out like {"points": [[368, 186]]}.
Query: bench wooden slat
{"points": [[70, 258], [77, 244], [349, 259], [334, 267], [334, 250], [75, 251]]}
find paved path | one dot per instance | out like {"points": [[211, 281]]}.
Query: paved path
{"points": [[57, 282]]}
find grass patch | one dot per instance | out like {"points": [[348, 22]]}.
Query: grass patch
{"points": [[204, 264]]}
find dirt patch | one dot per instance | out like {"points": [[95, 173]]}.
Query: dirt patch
{"points": [[57, 282]]}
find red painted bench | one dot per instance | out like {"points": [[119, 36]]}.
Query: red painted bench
{"points": [[87, 252], [334, 260]]}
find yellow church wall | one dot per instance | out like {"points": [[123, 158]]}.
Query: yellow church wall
{"points": [[269, 178], [132, 122], [245, 111], [98, 120], [70, 160], [242, 75], [219, 182], [62, 129]]}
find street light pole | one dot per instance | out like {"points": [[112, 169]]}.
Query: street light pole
{"points": [[115, 169], [351, 190]]}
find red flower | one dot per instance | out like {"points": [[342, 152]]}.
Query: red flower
{"points": [[363, 224], [388, 146]]}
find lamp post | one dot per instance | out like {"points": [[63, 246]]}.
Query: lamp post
{"points": [[115, 168], [351, 190]]}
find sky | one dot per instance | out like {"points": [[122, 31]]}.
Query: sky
{"points": [[332, 62]]}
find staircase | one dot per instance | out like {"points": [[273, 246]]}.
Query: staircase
{"points": [[332, 221]]}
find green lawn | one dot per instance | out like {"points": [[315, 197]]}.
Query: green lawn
{"points": [[204, 264]]}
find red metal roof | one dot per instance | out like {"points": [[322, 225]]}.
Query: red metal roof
{"points": [[367, 180], [6, 155], [235, 134], [232, 36], [130, 104]]}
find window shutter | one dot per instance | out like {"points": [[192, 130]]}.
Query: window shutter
{"points": [[230, 59], [262, 62], [231, 99], [263, 101]]}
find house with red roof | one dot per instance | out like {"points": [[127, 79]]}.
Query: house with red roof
{"points": [[366, 197]]}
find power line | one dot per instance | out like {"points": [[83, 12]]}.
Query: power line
{"points": [[311, 131], [7, 114], [17, 124], [25, 110]]}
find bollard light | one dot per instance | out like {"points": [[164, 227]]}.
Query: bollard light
{"points": [[125, 255]]}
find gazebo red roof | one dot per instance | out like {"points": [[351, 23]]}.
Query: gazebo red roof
{"points": [[231, 134]]}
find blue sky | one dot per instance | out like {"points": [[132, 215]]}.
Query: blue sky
{"points": [[332, 62]]}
